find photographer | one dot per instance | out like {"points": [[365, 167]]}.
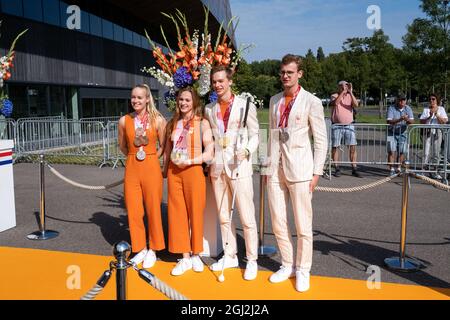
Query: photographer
{"points": [[399, 116], [342, 118]]}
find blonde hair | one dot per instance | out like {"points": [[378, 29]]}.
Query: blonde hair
{"points": [[151, 108]]}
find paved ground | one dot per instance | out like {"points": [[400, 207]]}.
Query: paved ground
{"points": [[351, 231]]}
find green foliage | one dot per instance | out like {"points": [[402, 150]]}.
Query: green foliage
{"points": [[372, 64]]}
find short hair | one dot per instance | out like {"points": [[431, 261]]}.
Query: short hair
{"points": [[289, 58], [229, 72], [438, 98]]}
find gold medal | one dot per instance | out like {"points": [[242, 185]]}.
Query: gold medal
{"points": [[224, 142]]}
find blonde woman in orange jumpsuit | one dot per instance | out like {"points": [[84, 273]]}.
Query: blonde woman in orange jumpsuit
{"points": [[139, 133], [189, 144]]}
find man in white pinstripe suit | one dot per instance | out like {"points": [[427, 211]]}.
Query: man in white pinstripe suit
{"points": [[294, 169]]}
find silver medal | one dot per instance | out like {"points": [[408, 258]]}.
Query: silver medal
{"points": [[141, 155], [284, 136]]}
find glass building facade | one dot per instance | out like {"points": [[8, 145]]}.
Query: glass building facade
{"points": [[86, 71]]}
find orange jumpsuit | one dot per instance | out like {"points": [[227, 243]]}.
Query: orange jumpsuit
{"points": [[143, 186], [187, 199]]}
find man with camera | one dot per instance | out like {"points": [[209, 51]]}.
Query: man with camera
{"points": [[399, 116], [342, 130]]}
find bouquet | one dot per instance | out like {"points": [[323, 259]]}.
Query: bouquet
{"points": [[191, 64], [6, 64]]}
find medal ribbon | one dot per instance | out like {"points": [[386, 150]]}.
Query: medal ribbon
{"points": [[223, 122], [141, 123], [181, 135], [287, 110]]}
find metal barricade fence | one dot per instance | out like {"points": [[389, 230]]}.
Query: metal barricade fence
{"points": [[59, 117], [372, 144], [428, 150], [112, 143], [104, 120], [62, 137]]}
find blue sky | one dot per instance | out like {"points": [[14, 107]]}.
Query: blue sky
{"points": [[277, 27]]}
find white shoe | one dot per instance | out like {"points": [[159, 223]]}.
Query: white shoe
{"points": [[197, 263], [436, 176], [149, 260], [229, 263], [182, 266], [302, 281], [251, 271], [139, 257], [282, 275]]}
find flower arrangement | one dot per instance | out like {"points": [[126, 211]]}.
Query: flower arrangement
{"points": [[6, 64], [196, 56]]}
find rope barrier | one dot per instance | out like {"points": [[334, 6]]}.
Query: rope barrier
{"points": [[98, 287], [359, 188], [437, 184], [159, 285], [83, 186]]}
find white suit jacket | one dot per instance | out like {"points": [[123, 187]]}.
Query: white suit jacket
{"points": [[238, 137], [306, 119]]}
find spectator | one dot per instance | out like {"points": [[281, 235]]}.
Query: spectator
{"points": [[399, 116], [434, 114], [343, 131]]}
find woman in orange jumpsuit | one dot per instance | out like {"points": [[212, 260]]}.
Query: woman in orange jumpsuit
{"points": [[139, 133], [189, 144]]}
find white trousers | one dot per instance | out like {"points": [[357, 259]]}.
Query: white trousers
{"points": [[223, 188], [279, 192]]}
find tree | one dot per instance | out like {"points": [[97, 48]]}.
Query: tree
{"points": [[320, 55], [427, 44]]}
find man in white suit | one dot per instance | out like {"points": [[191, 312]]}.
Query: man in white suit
{"points": [[294, 169], [232, 168]]}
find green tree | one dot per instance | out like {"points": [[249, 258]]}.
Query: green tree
{"points": [[427, 44], [320, 55]]}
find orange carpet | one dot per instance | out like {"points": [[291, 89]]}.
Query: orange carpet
{"points": [[48, 275]]}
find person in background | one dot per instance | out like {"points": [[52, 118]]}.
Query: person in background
{"points": [[433, 114], [139, 134], [399, 116], [343, 131], [189, 143]]}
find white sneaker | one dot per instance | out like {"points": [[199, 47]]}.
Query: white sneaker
{"points": [[149, 260], [182, 266], [197, 263], [229, 263], [436, 176], [139, 257], [282, 275], [302, 281], [251, 271]]}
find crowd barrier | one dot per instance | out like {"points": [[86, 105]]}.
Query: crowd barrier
{"points": [[427, 146], [373, 140]]}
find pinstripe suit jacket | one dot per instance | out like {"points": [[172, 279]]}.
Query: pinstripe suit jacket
{"points": [[300, 158], [225, 158]]}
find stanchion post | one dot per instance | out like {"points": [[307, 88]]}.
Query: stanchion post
{"points": [[263, 251], [402, 263], [121, 251], [42, 234]]}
